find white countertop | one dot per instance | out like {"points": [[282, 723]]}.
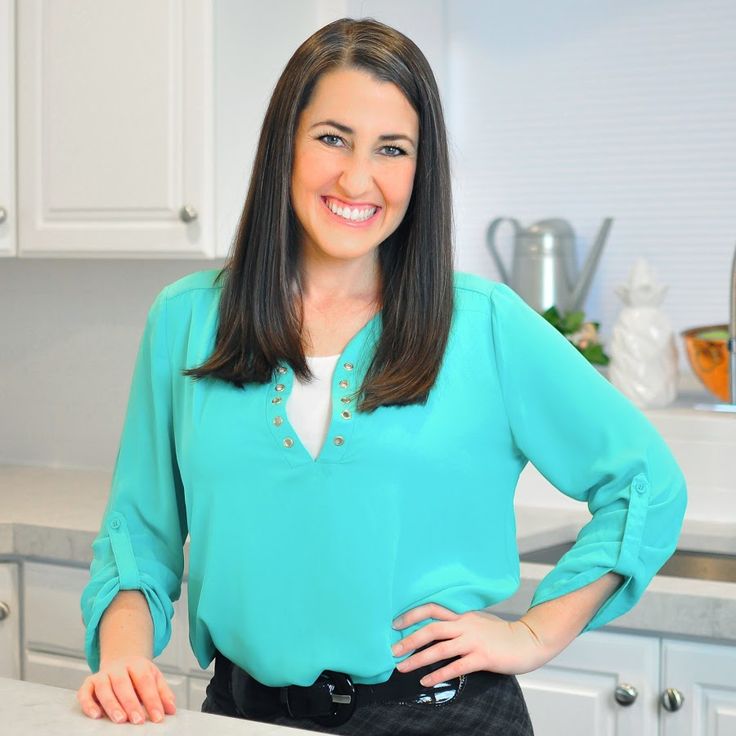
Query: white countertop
{"points": [[29, 708], [54, 514]]}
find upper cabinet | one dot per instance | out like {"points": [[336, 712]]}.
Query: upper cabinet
{"points": [[7, 129], [114, 128]]}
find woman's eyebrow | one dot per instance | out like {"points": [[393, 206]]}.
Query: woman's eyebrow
{"points": [[349, 131]]}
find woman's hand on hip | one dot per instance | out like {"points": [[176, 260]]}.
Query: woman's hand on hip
{"points": [[482, 640], [125, 689]]}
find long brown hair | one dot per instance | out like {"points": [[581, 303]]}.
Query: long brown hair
{"points": [[259, 318]]}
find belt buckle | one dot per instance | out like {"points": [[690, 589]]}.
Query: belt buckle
{"points": [[332, 691]]}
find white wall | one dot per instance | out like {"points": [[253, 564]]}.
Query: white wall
{"points": [[574, 109], [587, 109]]}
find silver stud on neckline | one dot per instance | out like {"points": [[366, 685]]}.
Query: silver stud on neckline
{"points": [[339, 440], [278, 421], [348, 366], [288, 442], [279, 387], [276, 400], [343, 383]]}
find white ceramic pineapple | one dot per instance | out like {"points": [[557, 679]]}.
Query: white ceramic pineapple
{"points": [[643, 352]]}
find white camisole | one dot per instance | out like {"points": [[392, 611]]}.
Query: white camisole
{"points": [[309, 404]]}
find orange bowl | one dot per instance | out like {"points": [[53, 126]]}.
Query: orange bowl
{"points": [[707, 350]]}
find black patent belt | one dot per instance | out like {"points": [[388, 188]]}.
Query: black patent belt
{"points": [[333, 698]]}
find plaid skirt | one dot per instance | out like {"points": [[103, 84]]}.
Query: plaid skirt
{"points": [[497, 708]]}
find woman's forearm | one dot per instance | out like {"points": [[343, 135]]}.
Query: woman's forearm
{"points": [[557, 622], [126, 627]]}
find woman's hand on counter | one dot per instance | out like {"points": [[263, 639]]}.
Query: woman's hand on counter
{"points": [[124, 689]]}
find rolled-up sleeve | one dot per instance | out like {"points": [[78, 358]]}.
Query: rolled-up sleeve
{"points": [[588, 440], [140, 542]]}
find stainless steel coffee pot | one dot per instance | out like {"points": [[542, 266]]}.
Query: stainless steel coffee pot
{"points": [[544, 268]]}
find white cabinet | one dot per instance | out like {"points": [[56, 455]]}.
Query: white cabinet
{"points": [[9, 621], [615, 684], [7, 129], [703, 678], [53, 642], [575, 693], [115, 128]]}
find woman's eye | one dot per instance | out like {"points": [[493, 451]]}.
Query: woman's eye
{"points": [[329, 135], [397, 151]]}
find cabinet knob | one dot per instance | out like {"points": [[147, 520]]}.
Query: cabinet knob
{"points": [[3, 214], [4, 610], [187, 213], [672, 699], [625, 694]]}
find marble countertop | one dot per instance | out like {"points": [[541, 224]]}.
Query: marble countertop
{"points": [[53, 514], [29, 708]]}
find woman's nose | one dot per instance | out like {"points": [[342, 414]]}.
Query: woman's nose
{"points": [[356, 176]]}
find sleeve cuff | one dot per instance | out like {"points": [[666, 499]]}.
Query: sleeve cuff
{"points": [[128, 577], [597, 552]]}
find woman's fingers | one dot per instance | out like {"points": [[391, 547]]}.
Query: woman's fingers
{"points": [[146, 685], [87, 701], [108, 699], [425, 611], [127, 689], [125, 692], [165, 693]]}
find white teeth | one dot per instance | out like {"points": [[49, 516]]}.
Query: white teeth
{"points": [[355, 215]]}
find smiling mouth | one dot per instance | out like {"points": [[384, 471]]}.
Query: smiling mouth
{"points": [[350, 215]]}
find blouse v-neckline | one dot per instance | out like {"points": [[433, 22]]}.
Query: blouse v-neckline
{"points": [[351, 366]]}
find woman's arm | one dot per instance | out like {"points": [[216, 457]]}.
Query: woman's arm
{"points": [[128, 684], [482, 640], [126, 627], [557, 622]]}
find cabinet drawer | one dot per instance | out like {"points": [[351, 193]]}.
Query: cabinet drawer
{"points": [[53, 617]]}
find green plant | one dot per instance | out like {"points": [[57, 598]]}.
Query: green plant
{"points": [[583, 335]]}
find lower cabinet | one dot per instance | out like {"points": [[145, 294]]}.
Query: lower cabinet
{"points": [[615, 684], [9, 621], [702, 677]]}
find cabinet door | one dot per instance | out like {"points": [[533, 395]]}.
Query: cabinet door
{"points": [[7, 128], [699, 680], [115, 109], [578, 692], [9, 621]]}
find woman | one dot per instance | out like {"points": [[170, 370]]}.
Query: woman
{"points": [[338, 421]]}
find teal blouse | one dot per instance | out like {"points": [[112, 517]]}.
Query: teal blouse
{"points": [[297, 565]]}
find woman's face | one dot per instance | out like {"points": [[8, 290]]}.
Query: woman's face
{"points": [[355, 154]]}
